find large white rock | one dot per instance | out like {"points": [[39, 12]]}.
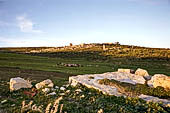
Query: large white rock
{"points": [[141, 72], [155, 99], [18, 83], [160, 80], [45, 83], [91, 81]]}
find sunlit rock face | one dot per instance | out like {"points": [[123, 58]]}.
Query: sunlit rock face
{"points": [[45, 83], [91, 81], [160, 80], [18, 83], [126, 70], [141, 72]]}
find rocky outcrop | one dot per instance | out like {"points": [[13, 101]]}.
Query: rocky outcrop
{"points": [[18, 83], [91, 81], [126, 71], [160, 80], [45, 83]]}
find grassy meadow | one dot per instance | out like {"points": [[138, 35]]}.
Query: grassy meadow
{"points": [[15, 62]]}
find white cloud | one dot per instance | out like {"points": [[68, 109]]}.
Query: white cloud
{"points": [[26, 25]]}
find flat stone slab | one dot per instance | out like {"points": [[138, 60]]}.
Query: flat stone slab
{"points": [[91, 81]]}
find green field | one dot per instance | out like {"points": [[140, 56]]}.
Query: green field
{"points": [[51, 64], [40, 66]]}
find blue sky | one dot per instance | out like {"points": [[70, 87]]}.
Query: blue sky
{"points": [[60, 22]]}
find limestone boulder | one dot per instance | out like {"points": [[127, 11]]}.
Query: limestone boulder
{"points": [[45, 83], [126, 71], [161, 80], [141, 72], [18, 83]]}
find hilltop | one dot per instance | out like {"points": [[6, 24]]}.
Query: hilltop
{"points": [[109, 50]]}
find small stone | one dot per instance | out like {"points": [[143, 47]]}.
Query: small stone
{"points": [[2, 102], [78, 90], [82, 96], [61, 94], [56, 87], [44, 83], [100, 111], [68, 91], [53, 89], [12, 105], [67, 85], [50, 94], [46, 90], [62, 88], [168, 105]]}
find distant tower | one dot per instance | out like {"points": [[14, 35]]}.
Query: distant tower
{"points": [[71, 44]]}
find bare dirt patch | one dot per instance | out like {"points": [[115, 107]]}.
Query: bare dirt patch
{"points": [[7, 72]]}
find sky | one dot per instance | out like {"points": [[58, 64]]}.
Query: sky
{"points": [[34, 23]]}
